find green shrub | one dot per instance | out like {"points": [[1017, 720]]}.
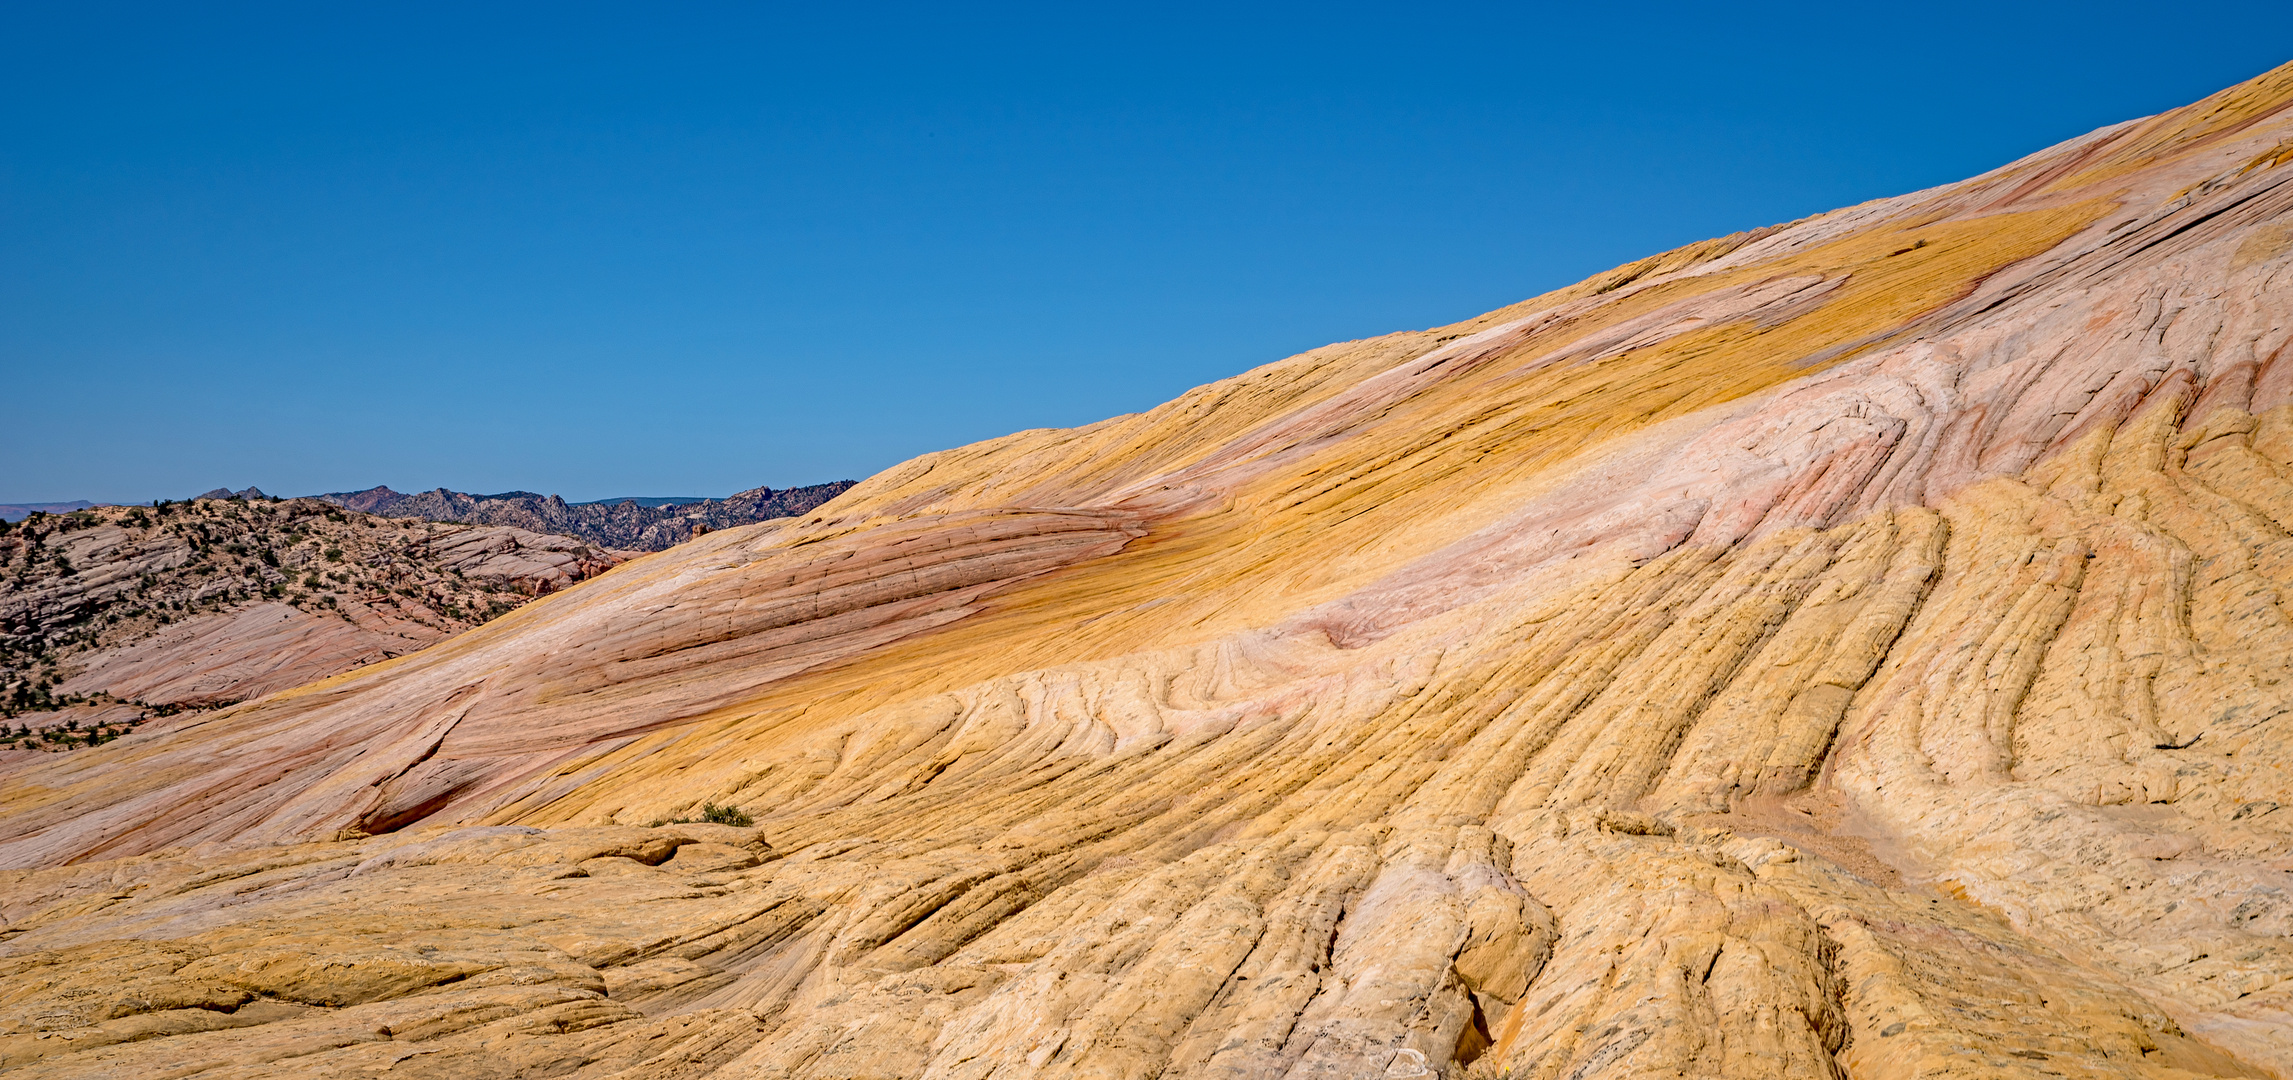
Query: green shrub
{"points": [[725, 815], [711, 814]]}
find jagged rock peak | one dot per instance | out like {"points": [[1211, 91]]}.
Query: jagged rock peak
{"points": [[247, 493]]}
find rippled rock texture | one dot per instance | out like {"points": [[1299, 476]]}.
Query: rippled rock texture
{"points": [[1854, 648]]}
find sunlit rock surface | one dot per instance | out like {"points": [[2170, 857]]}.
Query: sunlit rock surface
{"points": [[1854, 648], [110, 614]]}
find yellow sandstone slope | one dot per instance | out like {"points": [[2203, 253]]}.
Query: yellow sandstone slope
{"points": [[1853, 648]]}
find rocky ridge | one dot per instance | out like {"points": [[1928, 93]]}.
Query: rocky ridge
{"points": [[627, 525], [116, 613], [1859, 647]]}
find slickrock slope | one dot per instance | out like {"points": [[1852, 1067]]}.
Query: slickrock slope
{"points": [[211, 602], [627, 525], [1853, 648]]}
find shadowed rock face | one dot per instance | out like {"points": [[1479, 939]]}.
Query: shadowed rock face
{"points": [[1858, 647]]}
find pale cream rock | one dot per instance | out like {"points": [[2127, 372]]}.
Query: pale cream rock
{"points": [[1856, 648]]}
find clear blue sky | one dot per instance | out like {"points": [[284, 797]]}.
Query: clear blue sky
{"points": [[687, 249]]}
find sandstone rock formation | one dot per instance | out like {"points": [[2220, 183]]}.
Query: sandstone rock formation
{"points": [[212, 602], [1854, 648], [629, 525]]}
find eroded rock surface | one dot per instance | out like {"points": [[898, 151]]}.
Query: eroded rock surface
{"points": [[116, 611], [1854, 648]]}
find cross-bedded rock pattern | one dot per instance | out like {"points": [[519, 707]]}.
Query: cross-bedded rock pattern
{"points": [[1854, 648]]}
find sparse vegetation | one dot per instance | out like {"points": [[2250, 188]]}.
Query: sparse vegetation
{"points": [[711, 814], [63, 592]]}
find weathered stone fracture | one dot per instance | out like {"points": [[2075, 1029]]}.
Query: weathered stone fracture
{"points": [[1856, 648]]}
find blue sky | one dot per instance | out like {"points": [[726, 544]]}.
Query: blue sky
{"points": [[688, 249]]}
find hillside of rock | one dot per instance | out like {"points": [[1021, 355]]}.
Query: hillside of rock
{"points": [[111, 615], [1861, 647], [628, 525]]}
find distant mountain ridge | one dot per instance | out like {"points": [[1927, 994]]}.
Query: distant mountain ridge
{"points": [[20, 511], [630, 523], [641, 500], [644, 500]]}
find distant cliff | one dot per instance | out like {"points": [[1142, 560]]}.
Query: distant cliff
{"points": [[628, 524]]}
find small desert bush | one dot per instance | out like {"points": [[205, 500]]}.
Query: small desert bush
{"points": [[712, 814]]}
